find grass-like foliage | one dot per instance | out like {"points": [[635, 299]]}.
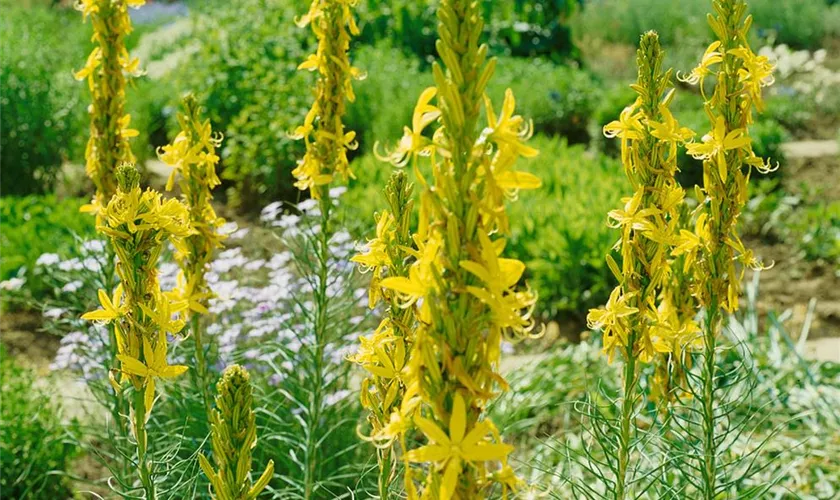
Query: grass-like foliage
{"points": [[36, 448]]}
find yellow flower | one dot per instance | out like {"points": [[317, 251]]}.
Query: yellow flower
{"points": [[499, 276], [111, 308], [420, 277], [450, 451], [716, 143], [689, 242], [710, 57], [188, 291], [377, 248], [413, 142], [669, 130], [756, 73], [609, 320], [155, 367], [508, 129], [386, 367], [163, 313], [628, 127]]}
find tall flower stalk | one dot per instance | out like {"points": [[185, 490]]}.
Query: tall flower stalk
{"points": [[327, 144], [384, 354], [632, 323], [193, 155], [106, 70], [714, 248], [464, 296], [233, 435], [137, 223]]}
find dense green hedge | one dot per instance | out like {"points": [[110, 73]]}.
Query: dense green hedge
{"points": [[560, 231]]}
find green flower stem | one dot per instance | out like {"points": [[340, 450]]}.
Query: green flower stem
{"points": [[385, 472], [201, 374], [628, 405], [709, 367], [140, 436], [321, 305]]}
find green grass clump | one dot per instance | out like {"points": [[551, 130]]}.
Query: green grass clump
{"points": [[35, 448]]}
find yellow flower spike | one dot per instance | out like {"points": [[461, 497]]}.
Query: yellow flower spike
{"points": [[323, 131], [450, 451], [648, 223], [107, 68], [460, 291], [711, 253], [137, 223]]}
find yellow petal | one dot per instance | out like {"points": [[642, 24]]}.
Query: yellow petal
{"points": [[133, 365], [458, 420], [486, 451], [172, 371], [432, 431], [428, 453], [403, 285], [450, 479], [518, 180]]}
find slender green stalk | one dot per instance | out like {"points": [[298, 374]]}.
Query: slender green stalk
{"points": [[628, 410], [321, 309], [201, 374], [386, 471], [142, 441], [709, 367]]}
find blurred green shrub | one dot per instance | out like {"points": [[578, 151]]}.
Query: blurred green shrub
{"points": [[33, 225], [560, 231], [559, 99], [385, 99], [622, 21], [521, 28], [524, 28], [799, 23], [816, 230], [43, 119], [35, 449], [244, 71]]}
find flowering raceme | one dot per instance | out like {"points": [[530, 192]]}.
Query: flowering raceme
{"points": [[385, 354], [106, 70], [463, 294], [192, 154], [137, 223], [636, 321], [712, 251], [323, 132]]}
